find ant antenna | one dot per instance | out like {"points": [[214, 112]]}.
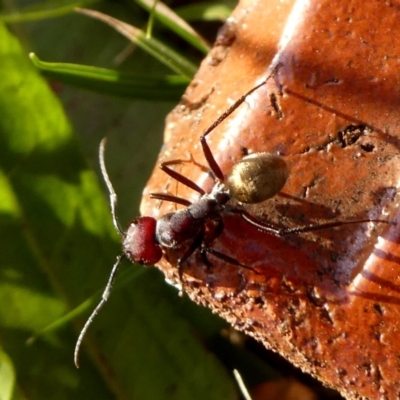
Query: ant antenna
{"points": [[104, 298], [111, 279], [111, 191]]}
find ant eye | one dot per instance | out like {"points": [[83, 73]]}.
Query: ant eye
{"points": [[140, 242], [257, 177]]}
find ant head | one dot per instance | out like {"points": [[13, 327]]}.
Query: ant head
{"points": [[140, 244], [257, 177]]}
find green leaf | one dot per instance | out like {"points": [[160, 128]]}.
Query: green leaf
{"points": [[57, 245], [173, 21], [107, 81], [7, 377], [43, 10], [157, 49]]}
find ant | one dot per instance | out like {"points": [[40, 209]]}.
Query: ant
{"points": [[253, 179]]}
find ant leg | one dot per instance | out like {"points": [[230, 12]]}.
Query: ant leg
{"points": [[219, 228], [188, 252], [190, 160], [228, 259], [206, 149], [171, 198], [277, 231], [206, 261], [198, 165], [179, 177]]}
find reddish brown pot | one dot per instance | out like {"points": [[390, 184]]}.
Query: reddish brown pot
{"points": [[327, 300]]}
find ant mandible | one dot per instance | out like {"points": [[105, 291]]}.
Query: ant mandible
{"points": [[253, 179]]}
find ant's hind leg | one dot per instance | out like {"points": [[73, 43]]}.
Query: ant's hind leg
{"points": [[203, 141], [281, 231]]}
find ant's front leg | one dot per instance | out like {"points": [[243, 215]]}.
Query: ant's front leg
{"points": [[197, 243], [209, 237]]}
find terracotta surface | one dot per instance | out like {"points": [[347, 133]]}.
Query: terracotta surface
{"points": [[327, 300]]}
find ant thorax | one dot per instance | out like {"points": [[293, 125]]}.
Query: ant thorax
{"points": [[177, 229], [219, 193]]}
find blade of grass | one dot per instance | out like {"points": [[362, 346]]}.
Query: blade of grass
{"points": [[43, 10], [173, 21], [106, 81], [154, 47], [150, 23]]}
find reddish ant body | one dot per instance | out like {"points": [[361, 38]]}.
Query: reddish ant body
{"points": [[253, 179]]}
